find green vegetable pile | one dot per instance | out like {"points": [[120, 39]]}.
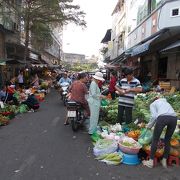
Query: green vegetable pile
{"points": [[174, 100], [142, 102], [111, 112], [9, 108], [141, 106]]}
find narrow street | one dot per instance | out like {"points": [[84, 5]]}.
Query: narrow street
{"points": [[37, 146]]}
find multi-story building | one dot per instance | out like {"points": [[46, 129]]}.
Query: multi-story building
{"points": [[10, 46], [53, 54], [72, 58], [107, 46], [150, 31]]}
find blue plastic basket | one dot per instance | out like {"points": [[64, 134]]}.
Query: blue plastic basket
{"points": [[130, 159]]}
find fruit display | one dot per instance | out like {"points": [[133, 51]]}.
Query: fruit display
{"points": [[134, 134], [175, 152], [159, 151], [3, 120], [174, 143]]}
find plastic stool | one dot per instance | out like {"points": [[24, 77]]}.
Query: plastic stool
{"points": [[173, 158], [155, 161]]}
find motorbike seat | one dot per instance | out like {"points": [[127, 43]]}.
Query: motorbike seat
{"points": [[73, 104]]}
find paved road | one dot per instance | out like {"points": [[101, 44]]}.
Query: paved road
{"points": [[37, 146]]}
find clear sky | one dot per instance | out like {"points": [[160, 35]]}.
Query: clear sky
{"points": [[98, 18]]}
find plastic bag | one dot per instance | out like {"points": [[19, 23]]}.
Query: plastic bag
{"points": [[95, 137], [146, 137], [105, 146], [104, 102]]}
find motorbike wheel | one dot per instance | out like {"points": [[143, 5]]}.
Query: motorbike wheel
{"points": [[74, 124]]}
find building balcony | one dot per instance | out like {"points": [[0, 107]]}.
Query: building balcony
{"points": [[166, 16]]}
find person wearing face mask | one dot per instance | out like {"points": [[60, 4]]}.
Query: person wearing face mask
{"points": [[94, 101]]}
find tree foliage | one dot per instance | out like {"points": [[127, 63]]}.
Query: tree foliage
{"points": [[78, 67], [41, 36], [40, 16]]}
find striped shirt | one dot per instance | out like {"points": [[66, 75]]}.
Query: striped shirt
{"points": [[128, 98]]}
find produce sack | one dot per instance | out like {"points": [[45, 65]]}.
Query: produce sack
{"points": [[145, 137], [105, 146], [23, 108]]}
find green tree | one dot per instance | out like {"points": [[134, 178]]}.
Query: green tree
{"points": [[83, 67], [40, 36], [46, 13]]}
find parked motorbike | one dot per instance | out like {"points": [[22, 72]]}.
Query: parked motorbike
{"points": [[75, 114]]}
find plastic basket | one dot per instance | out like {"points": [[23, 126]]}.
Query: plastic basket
{"points": [[130, 159], [129, 150]]}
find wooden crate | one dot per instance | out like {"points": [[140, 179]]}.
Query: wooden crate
{"points": [[165, 85]]}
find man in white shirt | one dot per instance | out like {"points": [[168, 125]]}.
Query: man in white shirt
{"points": [[162, 114]]}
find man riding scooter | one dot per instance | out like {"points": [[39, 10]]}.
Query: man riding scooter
{"points": [[78, 92], [64, 84]]}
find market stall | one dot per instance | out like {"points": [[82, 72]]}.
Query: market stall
{"points": [[130, 144], [8, 110]]}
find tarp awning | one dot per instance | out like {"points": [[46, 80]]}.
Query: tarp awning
{"points": [[107, 36], [144, 45], [172, 46], [110, 66], [119, 59], [139, 49], [10, 61]]}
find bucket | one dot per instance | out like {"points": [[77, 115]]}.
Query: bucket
{"points": [[130, 159]]}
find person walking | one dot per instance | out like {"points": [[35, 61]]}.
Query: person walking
{"points": [[162, 115], [112, 85], [127, 88], [35, 81], [20, 79], [94, 101]]}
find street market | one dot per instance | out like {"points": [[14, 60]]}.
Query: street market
{"points": [[89, 90]]}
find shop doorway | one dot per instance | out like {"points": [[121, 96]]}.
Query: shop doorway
{"points": [[162, 68]]}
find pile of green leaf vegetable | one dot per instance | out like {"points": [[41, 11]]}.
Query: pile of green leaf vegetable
{"points": [[141, 106]]}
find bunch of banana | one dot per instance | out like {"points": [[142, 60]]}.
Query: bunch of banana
{"points": [[112, 158]]}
